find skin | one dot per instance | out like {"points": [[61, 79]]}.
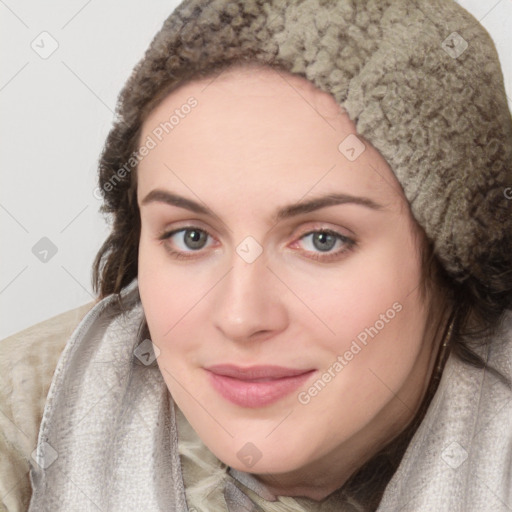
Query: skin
{"points": [[256, 141]]}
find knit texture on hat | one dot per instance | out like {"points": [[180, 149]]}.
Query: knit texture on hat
{"points": [[421, 81]]}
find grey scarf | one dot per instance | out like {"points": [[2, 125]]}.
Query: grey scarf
{"points": [[108, 438]]}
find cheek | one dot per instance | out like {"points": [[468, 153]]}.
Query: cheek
{"points": [[153, 289], [377, 315], [162, 289], [374, 291], [173, 298], [378, 319]]}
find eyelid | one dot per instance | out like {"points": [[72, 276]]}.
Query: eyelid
{"points": [[324, 226]]}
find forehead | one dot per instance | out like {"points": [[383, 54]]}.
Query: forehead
{"points": [[258, 124], [254, 84]]}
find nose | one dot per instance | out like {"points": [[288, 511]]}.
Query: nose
{"points": [[248, 302]]}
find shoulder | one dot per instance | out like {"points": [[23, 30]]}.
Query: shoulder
{"points": [[27, 363]]}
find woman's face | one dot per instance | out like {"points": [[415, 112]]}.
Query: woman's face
{"points": [[279, 274]]}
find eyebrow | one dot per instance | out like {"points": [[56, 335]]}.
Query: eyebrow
{"points": [[291, 210]]}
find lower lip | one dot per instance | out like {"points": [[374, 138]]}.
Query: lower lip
{"points": [[256, 394]]}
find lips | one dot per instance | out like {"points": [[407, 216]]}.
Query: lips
{"points": [[255, 386], [255, 372]]}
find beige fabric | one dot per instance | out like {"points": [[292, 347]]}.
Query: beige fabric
{"points": [[27, 362]]}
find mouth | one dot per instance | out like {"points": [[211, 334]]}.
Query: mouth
{"points": [[256, 386]]}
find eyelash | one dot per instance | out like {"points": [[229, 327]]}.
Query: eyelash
{"points": [[182, 255]]}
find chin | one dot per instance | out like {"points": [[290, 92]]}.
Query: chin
{"points": [[260, 456]]}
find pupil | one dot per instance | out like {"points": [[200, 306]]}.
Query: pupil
{"points": [[195, 238], [323, 238]]}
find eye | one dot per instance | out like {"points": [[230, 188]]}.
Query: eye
{"points": [[323, 241], [188, 240], [191, 239]]}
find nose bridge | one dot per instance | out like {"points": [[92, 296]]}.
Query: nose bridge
{"points": [[248, 301], [247, 285]]}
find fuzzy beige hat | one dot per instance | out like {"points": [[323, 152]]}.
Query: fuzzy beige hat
{"points": [[421, 81]]}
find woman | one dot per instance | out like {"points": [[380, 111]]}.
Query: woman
{"points": [[304, 300]]}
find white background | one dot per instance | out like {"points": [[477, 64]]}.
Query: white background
{"points": [[55, 116]]}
